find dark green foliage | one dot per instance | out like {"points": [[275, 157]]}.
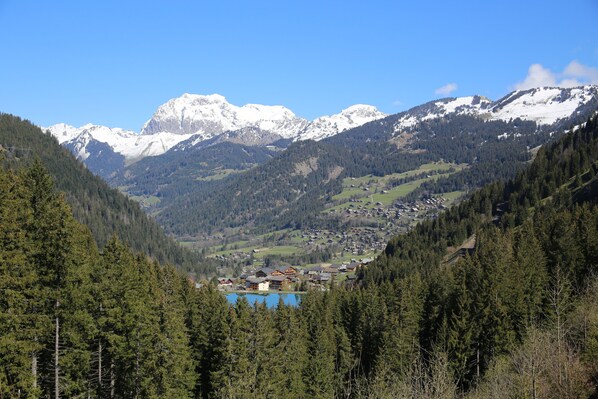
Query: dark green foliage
{"points": [[183, 172], [104, 210], [77, 322], [522, 273]]}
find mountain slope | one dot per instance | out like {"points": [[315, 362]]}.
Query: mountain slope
{"points": [[104, 210], [517, 290], [292, 189], [180, 172]]}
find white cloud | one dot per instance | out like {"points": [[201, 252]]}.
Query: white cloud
{"points": [[574, 74], [581, 72], [397, 103], [446, 89]]}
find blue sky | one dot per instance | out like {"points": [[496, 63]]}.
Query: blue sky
{"points": [[114, 62]]}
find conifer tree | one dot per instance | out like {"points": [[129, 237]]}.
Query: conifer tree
{"points": [[21, 325], [290, 351], [463, 337], [175, 376], [319, 375]]}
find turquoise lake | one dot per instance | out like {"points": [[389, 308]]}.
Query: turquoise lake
{"points": [[271, 299]]}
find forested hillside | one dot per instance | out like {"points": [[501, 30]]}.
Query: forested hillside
{"points": [[515, 315], [76, 323], [184, 171], [292, 189], [104, 210]]}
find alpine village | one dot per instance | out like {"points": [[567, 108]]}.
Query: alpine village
{"points": [[448, 250]]}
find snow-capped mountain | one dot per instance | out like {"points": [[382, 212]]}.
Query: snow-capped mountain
{"points": [[211, 115], [131, 145], [327, 126], [545, 106], [207, 117], [192, 120]]}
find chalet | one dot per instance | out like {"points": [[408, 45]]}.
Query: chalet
{"points": [[257, 284], [314, 271], [277, 272], [333, 269], [279, 283], [351, 267], [264, 272], [225, 282], [322, 278], [467, 248], [288, 270]]}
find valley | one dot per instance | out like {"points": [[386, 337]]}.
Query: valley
{"points": [[293, 200], [371, 210], [250, 186]]}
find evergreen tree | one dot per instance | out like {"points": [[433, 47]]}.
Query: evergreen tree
{"points": [[21, 325], [176, 374]]}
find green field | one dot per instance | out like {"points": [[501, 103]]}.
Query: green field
{"points": [[452, 196], [354, 186], [263, 251], [387, 199]]}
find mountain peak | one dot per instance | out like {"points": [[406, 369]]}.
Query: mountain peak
{"points": [[210, 115], [330, 125], [201, 98], [360, 109]]}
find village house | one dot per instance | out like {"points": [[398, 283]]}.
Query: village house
{"points": [[279, 283], [313, 271], [264, 272], [333, 269], [351, 267], [225, 282], [288, 270], [257, 284], [322, 278]]}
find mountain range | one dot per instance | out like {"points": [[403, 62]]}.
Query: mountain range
{"points": [[207, 164], [197, 118]]}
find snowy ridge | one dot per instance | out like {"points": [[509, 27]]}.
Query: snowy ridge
{"points": [[545, 106], [327, 126], [194, 119], [130, 144], [207, 116], [210, 118], [471, 105]]}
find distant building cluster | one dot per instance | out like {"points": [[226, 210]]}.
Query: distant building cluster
{"points": [[289, 278]]}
